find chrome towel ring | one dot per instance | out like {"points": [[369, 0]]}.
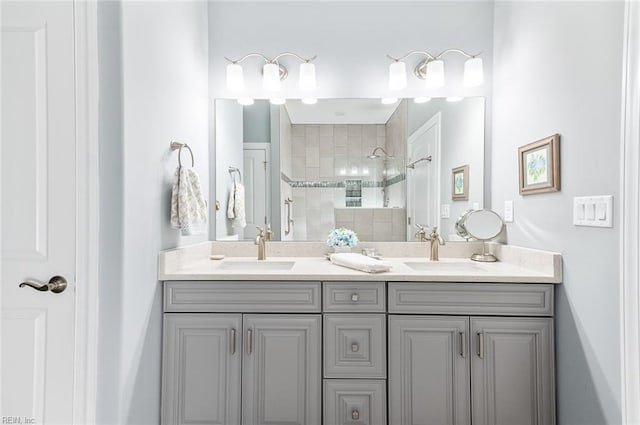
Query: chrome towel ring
{"points": [[178, 146]]}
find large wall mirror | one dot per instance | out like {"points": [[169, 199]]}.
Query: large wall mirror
{"points": [[378, 169]]}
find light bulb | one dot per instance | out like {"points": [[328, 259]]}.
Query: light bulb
{"points": [[435, 74], [473, 74], [307, 76], [421, 99], [389, 100], [277, 101], [309, 100], [245, 101], [271, 77], [235, 79], [397, 76]]}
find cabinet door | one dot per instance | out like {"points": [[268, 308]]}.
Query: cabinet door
{"points": [[281, 375], [201, 369], [512, 367], [429, 370]]}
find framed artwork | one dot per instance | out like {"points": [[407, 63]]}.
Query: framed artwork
{"points": [[460, 183], [539, 166]]}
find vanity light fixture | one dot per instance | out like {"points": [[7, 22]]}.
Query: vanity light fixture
{"points": [[273, 72], [245, 101], [431, 69]]}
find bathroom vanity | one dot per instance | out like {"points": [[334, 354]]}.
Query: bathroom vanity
{"points": [[298, 340]]}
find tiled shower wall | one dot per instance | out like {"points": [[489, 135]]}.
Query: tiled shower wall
{"points": [[321, 156], [374, 224]]}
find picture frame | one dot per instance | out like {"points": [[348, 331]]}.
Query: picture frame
{"points": [[460, 183], [539, 166]]}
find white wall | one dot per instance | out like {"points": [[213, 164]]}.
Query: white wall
{"points": [[351, 40], [558, 68], [160, 90]]}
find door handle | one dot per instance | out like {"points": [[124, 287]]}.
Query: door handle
{"points": [[249, 341], [480, 345], [56, 284], [463, 344], [233, 340]]}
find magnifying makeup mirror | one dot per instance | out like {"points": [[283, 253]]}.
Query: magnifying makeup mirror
{"points": [[482, 225]]}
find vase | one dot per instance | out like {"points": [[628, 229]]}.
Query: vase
{"points": [[338, 249]]}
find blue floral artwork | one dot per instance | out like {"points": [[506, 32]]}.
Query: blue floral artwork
{"points": [[458, 184], [537, 170]]}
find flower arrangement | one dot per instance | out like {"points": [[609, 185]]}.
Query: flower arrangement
{"points": [[342, 237]]}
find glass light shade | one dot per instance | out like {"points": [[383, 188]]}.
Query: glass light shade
{"points": [[421, 99], [235, 79], [271, 77], [397, 76], [307, 76], [277, 101], [389, 100], [435, 74], [473, 74], [309, 100], [245, 101]]}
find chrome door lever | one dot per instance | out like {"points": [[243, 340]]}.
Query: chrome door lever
{"points": [[56, 284]]}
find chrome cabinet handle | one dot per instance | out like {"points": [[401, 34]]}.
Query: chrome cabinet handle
{"points": [[480, 345], [233, 340], [249, 341], [355, 415], [56, 284], [463, 344], [355, 297]]}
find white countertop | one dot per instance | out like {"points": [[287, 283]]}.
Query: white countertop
{"points": [[518, 265]]}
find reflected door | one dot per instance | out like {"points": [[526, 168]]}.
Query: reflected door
{"points": [[37, 205], [256, 184], [423, 176]]}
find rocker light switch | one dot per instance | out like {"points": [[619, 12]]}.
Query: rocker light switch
{"points": [[593, 211]]}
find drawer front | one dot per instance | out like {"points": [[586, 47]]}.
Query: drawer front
{"points": [[354, 296], [355, 402], [241, 296], [355, 346], [471, 298]]}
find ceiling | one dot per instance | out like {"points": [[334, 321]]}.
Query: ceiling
{"points": [[340, 111]]}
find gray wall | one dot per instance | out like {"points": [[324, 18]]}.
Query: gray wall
{"points": [[558, 68], [153, 85]]}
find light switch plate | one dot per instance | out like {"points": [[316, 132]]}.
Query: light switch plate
{"points": [[445, 211], [593, 211], [508, 211]]}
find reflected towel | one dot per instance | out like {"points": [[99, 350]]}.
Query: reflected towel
{"points": [[359, 262], [235, 207], [188, 206]]}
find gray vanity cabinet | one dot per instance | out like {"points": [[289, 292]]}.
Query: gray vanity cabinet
{"points": [[201, 369], [281, 374], [512, 371], [429, 370]]}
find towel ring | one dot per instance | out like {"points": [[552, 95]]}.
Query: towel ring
{"points": [[232, 170], [179, 146]]}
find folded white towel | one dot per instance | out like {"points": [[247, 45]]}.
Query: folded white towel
{"points": [[188, 206], [359, 262], [235, 207]]}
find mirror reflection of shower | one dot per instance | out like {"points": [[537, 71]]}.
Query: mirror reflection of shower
{"points": [[385, 171]]}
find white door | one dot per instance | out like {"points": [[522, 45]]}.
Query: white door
{"points": [[38, 205], [423, 178], [256, 185], [281, 377]]}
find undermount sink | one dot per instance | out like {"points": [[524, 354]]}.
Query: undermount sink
{"points": [[437, 266], [257, 265]]}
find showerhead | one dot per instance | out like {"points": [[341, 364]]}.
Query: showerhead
{"points": [[374, 155]]}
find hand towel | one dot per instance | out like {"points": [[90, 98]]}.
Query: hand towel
{"points": [[359, 262], [188, 206], [235, 208]]}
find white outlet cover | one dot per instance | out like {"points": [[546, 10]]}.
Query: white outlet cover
{"points": [[445, 211]]}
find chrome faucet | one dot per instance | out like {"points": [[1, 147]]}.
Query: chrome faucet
{"points": [[262, 246], [436, 241]]}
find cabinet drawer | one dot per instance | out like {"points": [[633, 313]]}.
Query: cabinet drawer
{"points": [[354, 296], [355, 346], [355, 402], [242, 296], [471, 298]]}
